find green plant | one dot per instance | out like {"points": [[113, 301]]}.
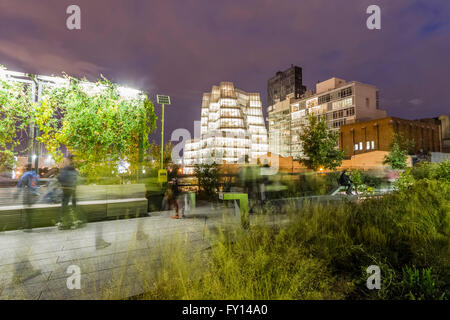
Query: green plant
{"points": [[100, 127], [429, 170], [7, 160], [16, 114], [154, 152], [400, 148], [421, 284], [311, 183], [320, 145], [370, 180], [208, 176], [424, 171], [357, 178]]}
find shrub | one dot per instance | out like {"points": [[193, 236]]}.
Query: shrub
{"points": [[208, 176], [424, 171], [312, 183]]}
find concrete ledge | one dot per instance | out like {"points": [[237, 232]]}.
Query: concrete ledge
{"points": [[95, 203]]}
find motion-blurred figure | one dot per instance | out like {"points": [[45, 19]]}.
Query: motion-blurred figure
{"points": [[27, 187], [100, 243], [264, 180], [68, 180], [175, 192]]}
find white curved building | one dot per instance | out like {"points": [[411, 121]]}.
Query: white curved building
{"points": [[232, 127]]}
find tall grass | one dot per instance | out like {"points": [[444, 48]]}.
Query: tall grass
{"points": [[323, 253]]}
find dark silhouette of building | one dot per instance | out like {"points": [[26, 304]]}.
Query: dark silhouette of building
{"points": [[284, 83]]}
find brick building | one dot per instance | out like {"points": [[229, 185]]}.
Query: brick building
{"points": [[361, 137]]}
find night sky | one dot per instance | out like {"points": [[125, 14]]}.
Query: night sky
{"points": [[181, 48]]}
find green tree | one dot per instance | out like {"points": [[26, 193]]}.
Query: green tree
{"points": [[208, 176], [99, 126], [398, 155], [7, 160], [320, 145], [16, 113], [154, 152]]}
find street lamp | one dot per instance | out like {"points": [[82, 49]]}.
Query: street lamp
{"points": [[162, 100]]}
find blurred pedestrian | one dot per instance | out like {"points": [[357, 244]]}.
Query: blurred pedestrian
{"points": [[67, 178], [27, 187], [174, 197]]}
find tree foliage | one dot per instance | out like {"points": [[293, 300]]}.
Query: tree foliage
{"points": [[400, 148], [208, 176], [96, 125], [15, 115], [93, 121], [320, 145], [154, 151]]}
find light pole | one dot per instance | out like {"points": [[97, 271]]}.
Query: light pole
{"points": [[162, 100]]}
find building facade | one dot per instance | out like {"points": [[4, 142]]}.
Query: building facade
{"points": [[337, 101], [232, 128], [444, 121], [285, 83], [378, 134], [279, 123]]}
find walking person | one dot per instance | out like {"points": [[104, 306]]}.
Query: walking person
{"points": [[67, 178], [174, 199], [27, 185], [345, 181]]}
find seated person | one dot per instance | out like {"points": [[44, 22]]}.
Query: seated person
{"points": [[344, 180]]}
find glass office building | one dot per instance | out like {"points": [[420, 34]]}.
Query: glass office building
{"points": [[232, 127]]}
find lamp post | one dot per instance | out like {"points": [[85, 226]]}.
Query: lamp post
{"points": [[162, 173], [162, 100]]}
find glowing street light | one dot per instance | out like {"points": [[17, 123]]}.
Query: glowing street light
{"points": [[162, 100]]}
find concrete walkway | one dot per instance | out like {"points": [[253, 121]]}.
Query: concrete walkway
{"points": [[34, 265]]}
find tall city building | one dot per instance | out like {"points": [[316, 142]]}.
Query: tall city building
{"points": [[284, 86], [339, 102], [284, 83], [232, 127], [279, 123]]}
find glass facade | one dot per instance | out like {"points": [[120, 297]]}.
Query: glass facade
{"points": [[284, 83], [232, 127]]}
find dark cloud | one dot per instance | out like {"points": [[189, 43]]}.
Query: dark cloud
{"points": [[182, 48]]}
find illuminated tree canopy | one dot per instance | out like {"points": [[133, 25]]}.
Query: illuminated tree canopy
{"points": [[15, 114], [95, 125], [96, 122]]}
